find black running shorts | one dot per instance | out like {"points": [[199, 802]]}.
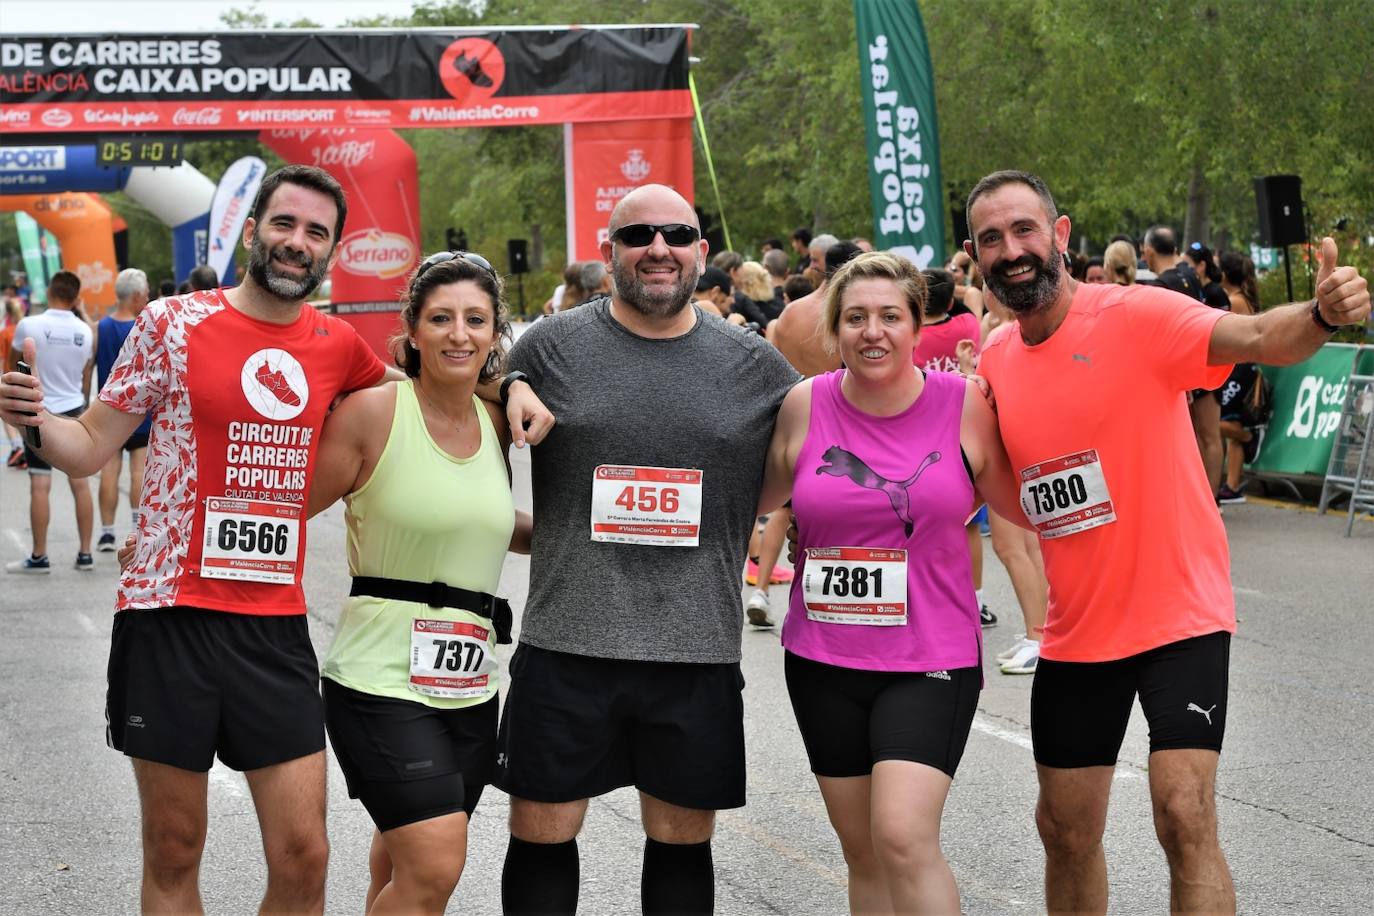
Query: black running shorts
{"points": [[577, 727], [187, 684], [136, 442], [408, 762], [1079, 710], [850, 718], [36, 465]]}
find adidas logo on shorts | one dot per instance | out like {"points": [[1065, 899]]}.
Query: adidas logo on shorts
{"points": [[942, 675]]}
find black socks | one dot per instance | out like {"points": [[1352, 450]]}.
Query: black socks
{"points": [[678, 878], [539, 878]]}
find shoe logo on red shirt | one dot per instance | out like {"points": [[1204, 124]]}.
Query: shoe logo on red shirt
{"points": [[274, 384]]}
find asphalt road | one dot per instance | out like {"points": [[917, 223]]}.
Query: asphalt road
{"points": [[1293, 787]]}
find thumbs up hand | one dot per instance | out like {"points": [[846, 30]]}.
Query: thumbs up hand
{"points": [[1342, 294], [21, 397]]}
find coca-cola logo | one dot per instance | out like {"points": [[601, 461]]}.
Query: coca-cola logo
{"points": [[198, 116], [375, 252], [349, 154], [56, 117]]}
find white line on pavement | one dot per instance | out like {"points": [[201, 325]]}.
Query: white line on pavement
{"points": [[16, 539], [1021, 739]]}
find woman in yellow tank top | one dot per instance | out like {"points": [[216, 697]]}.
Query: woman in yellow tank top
{"points": [[410, 681]]}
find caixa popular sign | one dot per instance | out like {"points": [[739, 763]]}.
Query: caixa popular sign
{"points": [[419, 77]]}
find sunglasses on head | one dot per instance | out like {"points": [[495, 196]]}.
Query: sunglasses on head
{"points": [[440, 257], [641, 235]]}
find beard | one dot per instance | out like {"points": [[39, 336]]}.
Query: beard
{"points": [[1024, 298], [655, 303], [284, 286]]}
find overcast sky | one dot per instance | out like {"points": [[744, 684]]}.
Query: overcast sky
{"points": [[62, 17]]}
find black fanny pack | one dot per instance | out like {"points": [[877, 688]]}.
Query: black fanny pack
{"points": [[437, 594]]}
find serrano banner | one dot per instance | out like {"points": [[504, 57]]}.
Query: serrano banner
{"points": [[416, 78], [607, 161], [903, 138]]}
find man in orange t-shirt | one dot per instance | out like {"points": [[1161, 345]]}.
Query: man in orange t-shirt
{"points": [[1090, 384]]}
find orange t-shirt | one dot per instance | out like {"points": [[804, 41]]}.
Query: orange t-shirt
{"points": [[1095, 420]]}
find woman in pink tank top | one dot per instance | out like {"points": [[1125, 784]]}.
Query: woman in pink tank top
{"points": [[884, 464]]}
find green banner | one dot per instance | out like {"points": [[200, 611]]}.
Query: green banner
{"points": [[42, 257], [903, 136], [1308, 398]]}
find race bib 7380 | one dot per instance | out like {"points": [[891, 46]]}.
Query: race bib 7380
{"points": [[1066, 495]]}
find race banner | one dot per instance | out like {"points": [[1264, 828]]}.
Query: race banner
{"points": [[898, 91], [41, 254], [229, 211], [85, 230], [1308, 399], [606, 161], [413, 78]]}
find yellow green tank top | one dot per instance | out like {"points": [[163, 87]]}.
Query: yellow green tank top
{"points": [[424, 516]]}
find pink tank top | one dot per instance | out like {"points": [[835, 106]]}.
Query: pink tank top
{"points": [[879, 484]]}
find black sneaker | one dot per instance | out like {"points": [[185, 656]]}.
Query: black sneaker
{"points": [[1228, 497], [986, 617], [85, 562], [471, 67], [106, 544], [1251, 449]]}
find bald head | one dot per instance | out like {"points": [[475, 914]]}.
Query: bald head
{"points": [[653, 203]]}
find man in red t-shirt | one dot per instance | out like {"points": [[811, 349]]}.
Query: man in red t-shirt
{"points": [[1090, 386], [210, 653]]}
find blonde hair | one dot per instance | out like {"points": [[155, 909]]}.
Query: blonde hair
{"points": [[1118, 261], [872, 265], [754, 281]]}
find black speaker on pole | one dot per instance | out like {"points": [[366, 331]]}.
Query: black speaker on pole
{"points": [[959, 217], [518, 254], [1279, 199]]}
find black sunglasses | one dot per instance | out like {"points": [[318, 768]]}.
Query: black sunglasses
{"points": [[440, 257], [641, 235]]}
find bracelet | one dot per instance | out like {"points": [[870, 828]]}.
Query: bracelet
{"points": [[1316, 314], [510, 379]]}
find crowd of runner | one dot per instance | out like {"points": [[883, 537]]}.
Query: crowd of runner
{"points": [[874, 407]]}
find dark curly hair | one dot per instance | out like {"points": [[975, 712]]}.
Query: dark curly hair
{"points": [[413, 302]]}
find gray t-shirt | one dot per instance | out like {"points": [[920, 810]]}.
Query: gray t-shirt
{"points": [[705, 400]]}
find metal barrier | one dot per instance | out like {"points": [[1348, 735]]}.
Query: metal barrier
{"points": [[1351, 469]]}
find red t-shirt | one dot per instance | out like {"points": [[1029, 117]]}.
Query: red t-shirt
{"points": [[936, 347], [1095, 421], [237, 406]]}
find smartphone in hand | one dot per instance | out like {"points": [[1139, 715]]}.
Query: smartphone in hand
{"points": [[31, 434]]}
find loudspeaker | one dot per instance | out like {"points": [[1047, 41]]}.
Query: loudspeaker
{"points": [[959, 218], [1279, 199], [518, 254]]}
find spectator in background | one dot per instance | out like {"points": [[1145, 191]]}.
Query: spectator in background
{"points": [[713, 293], [131, 296], [775, 262], [1118, 263], [754, 295], [796, 288], [1199, 257], [166, 288], [573, 294], [1243, 406], [203, 276], [9, 320], [801, 244], [770, 244], [968, 285], [1078, 265], [1094, 272], [863, 244], [595, 280]]}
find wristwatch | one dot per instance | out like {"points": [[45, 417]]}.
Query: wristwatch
{"points": [[510, 379], [1316, 314]]}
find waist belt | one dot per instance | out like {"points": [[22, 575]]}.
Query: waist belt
{"points": [[437, 594]]}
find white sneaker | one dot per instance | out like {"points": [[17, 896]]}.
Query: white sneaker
{"points": [[1024, 661], [1006, 654], [757, 611]]}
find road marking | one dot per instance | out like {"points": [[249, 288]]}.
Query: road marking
{"points": [[1022, 740], [228, 781], [1252, 592], [87, 624], [761, 835], [16, 539]]}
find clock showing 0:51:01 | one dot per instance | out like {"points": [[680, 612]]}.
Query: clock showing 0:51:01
{"points": [[138, 151]]}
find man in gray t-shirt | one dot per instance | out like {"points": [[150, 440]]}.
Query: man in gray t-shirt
{"points": [[644, 496]]}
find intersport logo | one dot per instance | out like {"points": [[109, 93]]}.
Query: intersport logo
{"points": [[376, 253], [198, 116], [56, 117]]}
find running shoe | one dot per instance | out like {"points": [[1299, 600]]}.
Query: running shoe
{"points": [[30, 566], [471, 67], [1228, 497], [275, 382], [1024, 661], [16, 457], [780, 576], [757, 611], [1250, 450], [106, 544], [986, 617], [85, 562], [1009, 653]]}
